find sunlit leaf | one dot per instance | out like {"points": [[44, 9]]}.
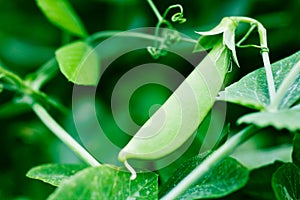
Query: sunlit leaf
{"points": [[226, 177], [288, 119], [79, 63], [54, 174], [286, 182], [105, 182], [61, 14], [252, 90]]}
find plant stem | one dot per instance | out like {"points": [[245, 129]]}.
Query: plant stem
{"points": [[284, 86], [265, 52], [269, 75], [63, 135], [145, 36], [218, 155], [43, 74], [156, 12]]}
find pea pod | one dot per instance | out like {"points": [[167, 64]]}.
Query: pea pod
{"points": [[178, 118]]}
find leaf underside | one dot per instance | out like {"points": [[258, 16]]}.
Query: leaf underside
{"points": [[282, 119]]}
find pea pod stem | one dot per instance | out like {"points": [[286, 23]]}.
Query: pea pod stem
{"points": [[156, 12], [44, 116], [225, 150], [262, 32]]}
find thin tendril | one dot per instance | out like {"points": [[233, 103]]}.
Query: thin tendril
{"points": [[131, 170], [177, 17], [253, 26], [159, 49]]}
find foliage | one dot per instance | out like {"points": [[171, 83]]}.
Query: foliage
{"points": [[39, 63]]}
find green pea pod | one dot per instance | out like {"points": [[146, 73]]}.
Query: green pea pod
{"points": [[178, 118]]}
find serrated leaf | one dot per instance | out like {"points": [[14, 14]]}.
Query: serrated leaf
{"points": [[288, 119], [226, 177], [54, 174], [105, 182], [79, 63], [61, 14], [296, 149], [286, 182], [252, 90]]}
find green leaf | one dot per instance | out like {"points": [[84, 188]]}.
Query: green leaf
{"points": [[252, 90], [79, 63], [61, 14], [296, 149], [226, 177], [259, 185], [105, 182], [54, 174], [286, 182], [288, 119]]}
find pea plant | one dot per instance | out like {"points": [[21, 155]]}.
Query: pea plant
{"points": [[271, 92]]}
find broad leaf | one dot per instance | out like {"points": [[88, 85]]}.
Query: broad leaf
{"points": [[288, 119], [226, 177], [286, 182], [61, 14], [79, 63], [252, 90], [54, 174], [296, 149], [105, 182]]}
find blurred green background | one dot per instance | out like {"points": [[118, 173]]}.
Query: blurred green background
{"points": [[27, 40]]}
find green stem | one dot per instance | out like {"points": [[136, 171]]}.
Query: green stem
{"points": [[45, 73], [218, 155], [156, 12], [265, 53], [99, 35], [11, 78], [285, 85], [246, 36], [63, 135], [269, 75]]}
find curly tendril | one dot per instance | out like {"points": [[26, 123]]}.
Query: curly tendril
{"points": [[170, 36], [177, 17]]}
